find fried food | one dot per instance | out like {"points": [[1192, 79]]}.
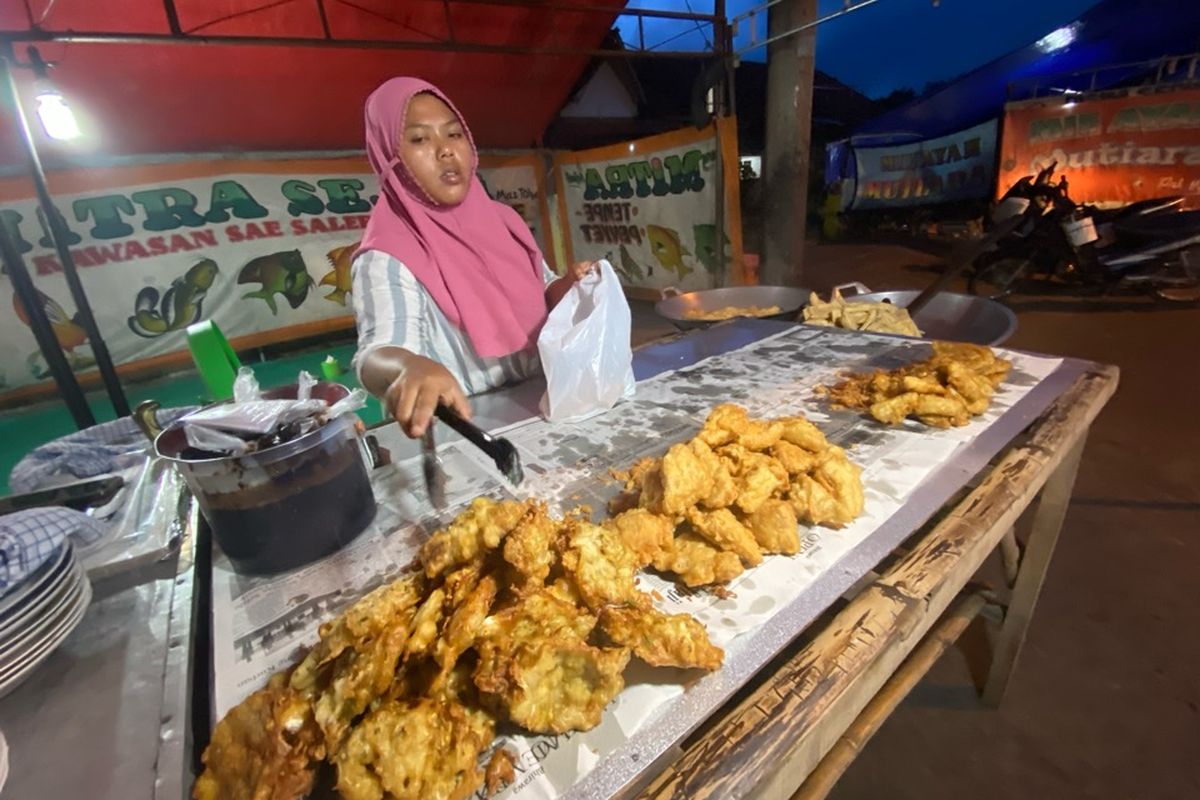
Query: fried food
{"points": [[477, 530], [698, 563], [511, 615], [645, 533], [661, 640], [550, 684], [859, 316], [723, 529], [529, 548], [264, 748], [956, 383], [775, 527], [686, 479], [463, 626], [500, 770], [420, 750], [729, 312], [601, 566]]}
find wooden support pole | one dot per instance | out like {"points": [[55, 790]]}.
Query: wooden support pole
{"points": [[1043, 536], [842, 755], [1010, 554], [790, 68]]}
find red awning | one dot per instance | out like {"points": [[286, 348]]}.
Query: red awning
{"points": [[141, 98]]}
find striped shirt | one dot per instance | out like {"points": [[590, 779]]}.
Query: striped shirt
{"points": [[392, 308]]}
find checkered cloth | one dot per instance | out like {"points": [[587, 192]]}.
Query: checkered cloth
{"points": [[29, 538], [99, 450]]}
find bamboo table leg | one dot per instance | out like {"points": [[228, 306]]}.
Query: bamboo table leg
{"points": [[1043, 536]]}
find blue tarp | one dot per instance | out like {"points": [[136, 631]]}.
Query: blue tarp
{"points": [[1110, 33]]}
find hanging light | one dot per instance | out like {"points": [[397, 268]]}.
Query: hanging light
{"points": [[58, 120]]}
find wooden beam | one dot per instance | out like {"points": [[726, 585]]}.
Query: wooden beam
{"points": [[842, 755], [1043, 536]]}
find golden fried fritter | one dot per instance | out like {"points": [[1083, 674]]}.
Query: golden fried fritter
{"points": [[550, 685], [265, 748], [947, 389], [645, 534], [601, 566], [499, 772], [812, 502], [686, 479], [792, 457], [698, 563], [802, 433], [529, 548], [477, 530], [661, 640], [463, 626], [425, 624], [843, 480], [775, 527], [722, 425], [419, 750], [723, 530], [756, 485], [359, 623]]}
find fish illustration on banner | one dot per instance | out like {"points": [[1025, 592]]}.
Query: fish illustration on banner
{"points": [[667, 248], [340, 258], [706, 247], [629, 269], [67, 331], [278, 273], [181, 305]]}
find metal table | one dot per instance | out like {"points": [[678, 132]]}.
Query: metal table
{"points": [[111, 714]]}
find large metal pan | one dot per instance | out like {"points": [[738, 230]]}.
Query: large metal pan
{"points": [[674, 306], [949, 315]]}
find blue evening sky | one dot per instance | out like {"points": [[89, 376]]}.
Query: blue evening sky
{"points": [[890, 44]]}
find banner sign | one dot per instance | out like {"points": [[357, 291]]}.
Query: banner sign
{"points": [[649, 207], [960, 166], [1136, 145], [263, 248]]}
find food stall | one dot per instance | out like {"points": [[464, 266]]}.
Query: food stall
{"points": [[818, 646]]}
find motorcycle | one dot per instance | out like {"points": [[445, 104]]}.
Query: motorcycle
{"points": [[1147, 245]]}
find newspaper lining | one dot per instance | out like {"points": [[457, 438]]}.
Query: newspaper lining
{"points": [[261, 625]]}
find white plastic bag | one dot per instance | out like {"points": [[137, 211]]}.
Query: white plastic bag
{"points": [[585, 349]]}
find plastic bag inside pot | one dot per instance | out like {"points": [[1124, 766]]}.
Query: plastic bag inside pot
{"points": [[251, 423]]}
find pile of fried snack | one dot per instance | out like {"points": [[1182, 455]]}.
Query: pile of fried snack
{"points": [[716, 504], [515, 616], [954, 384], [729, 312], [859, 316]]}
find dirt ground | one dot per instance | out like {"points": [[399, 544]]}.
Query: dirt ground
{"points": [[1105, 702]]}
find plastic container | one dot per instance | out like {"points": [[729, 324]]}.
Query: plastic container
{"points": [[288, 505]]}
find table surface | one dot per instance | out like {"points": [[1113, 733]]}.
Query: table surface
{"points": [[109, 714]]}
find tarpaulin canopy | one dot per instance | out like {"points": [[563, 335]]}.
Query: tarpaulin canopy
{"points": [[140, 88], [1113, 32]]}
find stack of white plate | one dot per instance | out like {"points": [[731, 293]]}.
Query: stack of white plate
{"points": [[38, 614]]}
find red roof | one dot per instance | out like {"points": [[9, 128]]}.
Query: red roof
{"points": [[139, 98]]}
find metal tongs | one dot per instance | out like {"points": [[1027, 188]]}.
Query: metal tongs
{"points": [[501, 451]]}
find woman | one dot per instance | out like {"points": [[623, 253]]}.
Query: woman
{"points": [[450, 289]]}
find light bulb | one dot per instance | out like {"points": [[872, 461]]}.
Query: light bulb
{"points": [[57, 118]]}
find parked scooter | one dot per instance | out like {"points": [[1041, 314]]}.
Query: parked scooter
{"points": [[1147, 245]]}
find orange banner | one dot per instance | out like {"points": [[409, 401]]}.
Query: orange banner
{"points": [[1116, 149]]}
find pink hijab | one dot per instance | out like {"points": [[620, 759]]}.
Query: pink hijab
{"points": [[478, 260]]}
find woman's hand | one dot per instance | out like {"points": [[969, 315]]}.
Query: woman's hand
{"points": [[581, 268], [416, 392], [575, 273]]}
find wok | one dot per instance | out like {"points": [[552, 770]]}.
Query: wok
{"points": [[948, 315], [673, 306]]}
